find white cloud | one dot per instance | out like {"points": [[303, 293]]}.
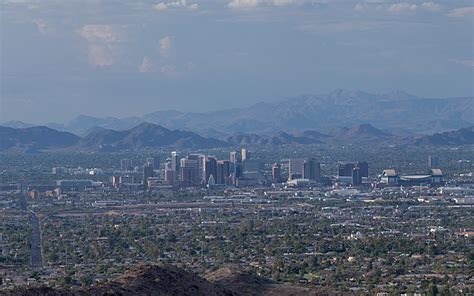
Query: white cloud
{"points": [[402, 7], [397, 8], [338, 27], [462, 12], [103, 43], [162, 6], [193, 6], [43, 27], [100, 55], [468, 63], [105, 33], [249, 4], [179, 3], [169, 70], [431, 6], [239, 4], [282, 2], [165, 44], [360, 7], [146, 65]]}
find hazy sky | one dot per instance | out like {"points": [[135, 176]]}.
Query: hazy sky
{"points": [[61, 58]]}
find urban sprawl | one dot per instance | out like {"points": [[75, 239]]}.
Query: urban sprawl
{"points": [[405, 227]]}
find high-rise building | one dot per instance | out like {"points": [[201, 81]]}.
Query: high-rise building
{"points": [[245, 153], [238, 169], [211, 168], [345, 169], [223, 172], [115, 181], [433, 162], [276, 173], [202, 168], [169, 174], [190, 167], [175, 163], [188, 175], [147, 173], [295, 168], [156, 162], [126, 164], [356, 176], [364, 168], [311, 169], [235, 157]]}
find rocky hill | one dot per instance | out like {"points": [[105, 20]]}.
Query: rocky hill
{"points": [[34, 139], [151, 136], [464, 136], [245, 283], [167, 280], [145, 135]]}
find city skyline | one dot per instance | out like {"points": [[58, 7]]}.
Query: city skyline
{"points": [[236, 147], [62, 59]]}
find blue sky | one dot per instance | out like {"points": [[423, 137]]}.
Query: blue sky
{"points": [[122, 58]]}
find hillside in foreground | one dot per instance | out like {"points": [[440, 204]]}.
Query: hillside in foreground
{"points": [[167, 280]]}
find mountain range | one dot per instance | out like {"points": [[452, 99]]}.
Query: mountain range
{"points": [[397, 112], [142, 136], [463, 136], [152, 136], [36, 138]]}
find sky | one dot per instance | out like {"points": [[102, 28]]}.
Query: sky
{"points": [[123, 58]]}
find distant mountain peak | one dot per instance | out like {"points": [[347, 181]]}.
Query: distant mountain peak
{"points": [[399, 94], [367, 129], [144, 136], [340, 92], [17, 124], [148, 125]]}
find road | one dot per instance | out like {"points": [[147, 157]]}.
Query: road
{"points": [[36, 256]]}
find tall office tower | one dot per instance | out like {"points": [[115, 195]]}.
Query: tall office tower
{"points": [[311, 169], [149, 160], [276, 173], [189, 167], [169, 174], [433, 162], [345, 169], [295, 168], [223, 172], [115, 181], [156, 163], [245, 153], [211, 168], [364, 168], [187, 175], [201, 167], [125, 164], [238, 170], [356, 176], [175, 163], [147, 173], [195, 159], [234, 157]]}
